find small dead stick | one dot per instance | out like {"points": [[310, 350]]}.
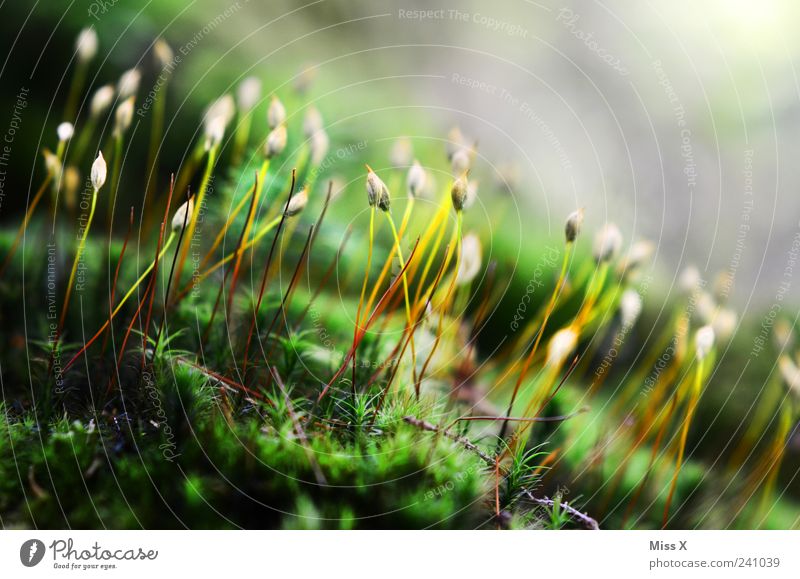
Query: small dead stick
{"points": [[325, 277], [289, 290], [587, 521], [298, 428], [223, 380], [379, 307], [494, 463], [228, 270], [462, 440], [562, 418], [116, 277], [266, 274]]}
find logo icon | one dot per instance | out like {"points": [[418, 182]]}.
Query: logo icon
{"points": [[32, 552]]}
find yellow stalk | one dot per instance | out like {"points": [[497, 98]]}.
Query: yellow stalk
{"points": [[142, 277], [778, 445], [198, 206], [363, 289], [550, 307], [232, 216], [694, 396], [409, 319], [253, 207], [443, 307]]}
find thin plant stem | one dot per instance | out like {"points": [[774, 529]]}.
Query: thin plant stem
{"points": [[420, 377], [24, 225], [77, 259], [776, 458], [690, 410], [116, 275], [136, 284], [198, 207], [258, 185], [409, 322], [550, 307], [265, 275], [261, 233], [115, 176], [357, 329]]}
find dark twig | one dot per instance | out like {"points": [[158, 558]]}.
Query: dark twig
{"points": [[587, 521], [228, 269], [462, 440], [116, 277], [266, 273]]}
